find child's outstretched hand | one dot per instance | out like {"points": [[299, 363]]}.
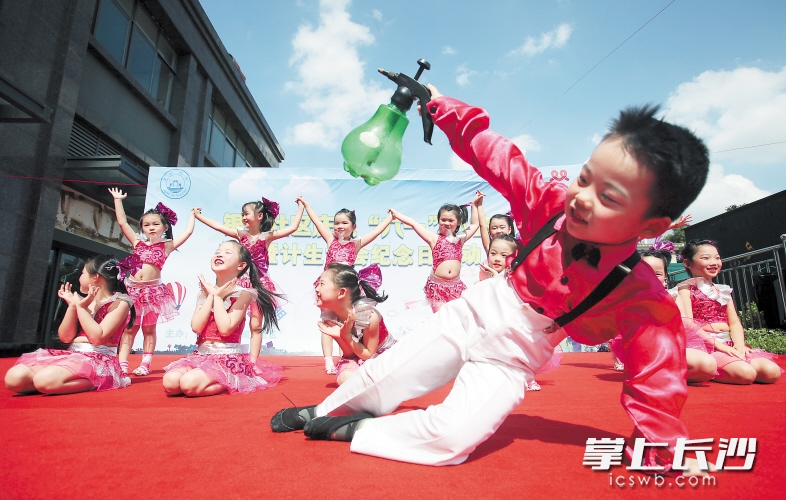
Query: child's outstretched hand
{"points": [[683, 221], [478, 199], [332, 330], [299, 201], [117, 194], [196, 212], [393, 213], [226, 289], [91, 296], [69, 297], [434, 94], [207, 287], [346, 328], [490, 271]]}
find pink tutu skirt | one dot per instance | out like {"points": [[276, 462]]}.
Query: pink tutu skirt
{"points": [[153, 301], [100, 368], [440, 290], [553, 362], [235, 371], [698, 338]]}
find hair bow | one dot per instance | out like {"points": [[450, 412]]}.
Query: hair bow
{"points": [[168, 213], [271, 207], [371, 275], [510, 214], [662, 245], [129, 265]]}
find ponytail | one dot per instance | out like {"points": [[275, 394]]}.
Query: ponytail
{"points": [[108, 268], [345, 276], [266, 300]]}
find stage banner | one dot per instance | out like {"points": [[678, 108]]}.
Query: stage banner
{"points": [[297, 260]]}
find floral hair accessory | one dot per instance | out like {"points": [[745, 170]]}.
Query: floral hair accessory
{"points": [[509, 214], [271, 207], [129, 265], [662, 245], [168, 213], [371, 275]]}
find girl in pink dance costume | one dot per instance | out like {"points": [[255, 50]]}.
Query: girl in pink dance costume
{"points": [[153, 301], [257, 233], [497, 225], [701, 364], [343, 247], [347, 299], [711, 308], [444, 284], [92, 325], [218, 364]]}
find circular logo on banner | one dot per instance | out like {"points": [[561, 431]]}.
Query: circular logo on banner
{"points": [[175, 184]]}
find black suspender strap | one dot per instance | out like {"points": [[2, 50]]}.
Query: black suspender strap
{"points": [[543, 233], [601, 291], [604, 288]]}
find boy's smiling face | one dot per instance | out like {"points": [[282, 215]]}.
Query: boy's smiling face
{"points": [[609, 200]]}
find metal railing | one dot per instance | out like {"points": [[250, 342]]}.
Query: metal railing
{"points": [[740, 276]]}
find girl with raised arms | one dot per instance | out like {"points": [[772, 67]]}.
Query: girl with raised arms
{"points": [[257, 233], [444, 284], [343, 247], [153, 301]]}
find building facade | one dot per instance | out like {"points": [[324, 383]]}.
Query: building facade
{"points": [[93, 93]]}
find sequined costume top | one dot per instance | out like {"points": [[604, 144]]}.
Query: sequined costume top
{"points": [[101, 311], [211, 334], [446, 248], [344, 252], [257, 248], [153, 253], [708, 301]]}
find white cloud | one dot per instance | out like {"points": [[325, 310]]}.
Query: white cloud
{"points": [[734, 109], [376, 14], [556, 38], [449, 50], [721, 191], [248, 186], [596, 138], [464, 74], [459, 164], [310, 188], [526, 143], [331, 77]]}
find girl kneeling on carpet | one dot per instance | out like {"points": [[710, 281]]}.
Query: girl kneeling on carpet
{"points": [[93, 326], [711, 309], [219, 319], [347, 299]]}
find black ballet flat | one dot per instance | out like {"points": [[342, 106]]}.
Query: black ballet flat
{"points": [[335, 428], [290, 419]]}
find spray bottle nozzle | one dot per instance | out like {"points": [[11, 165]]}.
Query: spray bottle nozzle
{"points": [[410, 89]]}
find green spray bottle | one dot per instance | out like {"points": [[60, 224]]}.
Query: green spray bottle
{"points": [[373, 150]]}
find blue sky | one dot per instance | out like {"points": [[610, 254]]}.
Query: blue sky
{"points": [[717, 67]]}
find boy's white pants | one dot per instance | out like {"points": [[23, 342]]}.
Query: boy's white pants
{"points": [[488, 340]]}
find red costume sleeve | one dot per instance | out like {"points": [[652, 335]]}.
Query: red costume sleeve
{"points": [[497, 160], [655, 388]]}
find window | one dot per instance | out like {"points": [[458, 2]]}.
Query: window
{"points": [[138, 45], [225, 146]]}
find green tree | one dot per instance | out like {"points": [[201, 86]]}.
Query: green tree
{"points": [[676, 235]]}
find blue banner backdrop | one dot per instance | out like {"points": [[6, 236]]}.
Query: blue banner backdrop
{"points": [[296, 261]]}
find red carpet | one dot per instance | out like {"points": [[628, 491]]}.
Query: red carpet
{"points": [[137, 443]]}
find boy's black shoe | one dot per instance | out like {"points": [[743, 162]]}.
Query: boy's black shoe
{"points": [[292, 419], [335, 428]]}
